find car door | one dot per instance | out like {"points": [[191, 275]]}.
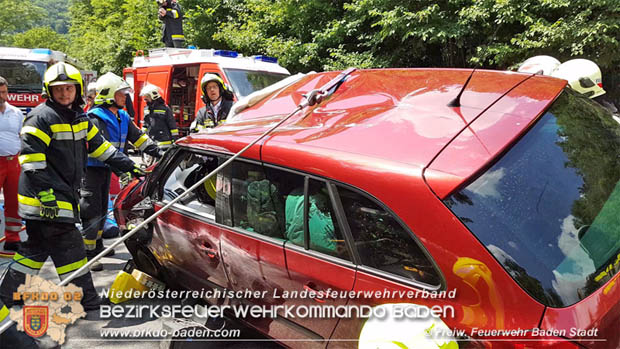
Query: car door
{"points": [[185, 236], [252, 241], [319, 262], [389, 261]]}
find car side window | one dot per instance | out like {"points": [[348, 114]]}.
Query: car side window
{"points": [[382, 242], [323, 231], [257, 205], [188, 170]]}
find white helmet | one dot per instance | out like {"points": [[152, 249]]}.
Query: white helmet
{"points": [[583, 76], [91, 89], [151, 91], [107, 85], [543, 65]]}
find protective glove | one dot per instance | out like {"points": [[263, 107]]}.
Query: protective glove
{"points": [[137, 171], [49, 206]]}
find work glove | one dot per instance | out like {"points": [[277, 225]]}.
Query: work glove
{"points": [[49, 206], [126, 177]]}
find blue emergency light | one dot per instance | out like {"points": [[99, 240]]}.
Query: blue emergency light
{"points": [[226, 53], [265, 59], [42, 51]]}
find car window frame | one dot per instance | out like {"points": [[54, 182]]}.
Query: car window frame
{"points": [[379, 272], [156, 192], [340, 215]]}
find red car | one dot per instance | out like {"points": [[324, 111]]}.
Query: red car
{"points": [[508, 200]]}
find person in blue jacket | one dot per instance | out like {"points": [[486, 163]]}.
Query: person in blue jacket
{"points": [[117, 127]]}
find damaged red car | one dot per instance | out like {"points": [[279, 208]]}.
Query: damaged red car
{"points": [[490, 194]]}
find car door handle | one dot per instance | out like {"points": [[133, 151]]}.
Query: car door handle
{"points": [[311, 287], [210, 251]]}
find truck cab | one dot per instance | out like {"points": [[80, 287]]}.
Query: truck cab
{"points": [[178, 71]]}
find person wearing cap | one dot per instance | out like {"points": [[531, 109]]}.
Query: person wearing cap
{"points": [[159, 121], [11, 119], [117, 128], [56, 140], [218, 99]]}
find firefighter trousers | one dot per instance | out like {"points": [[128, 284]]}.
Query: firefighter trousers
{"points": [[62, 242], [94, 206], [9, 178]]}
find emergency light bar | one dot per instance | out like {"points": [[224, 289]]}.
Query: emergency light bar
{"points": [[267, 59], [42, 51], [226, 53]]}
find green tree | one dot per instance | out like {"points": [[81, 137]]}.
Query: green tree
{"points": [[106, 33], [57, 15], [17, 16], [41, 37]]}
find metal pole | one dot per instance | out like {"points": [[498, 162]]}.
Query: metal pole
{"points": [[313, 97]]}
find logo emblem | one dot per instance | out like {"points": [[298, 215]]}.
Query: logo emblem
{"points": [[35, 320]]}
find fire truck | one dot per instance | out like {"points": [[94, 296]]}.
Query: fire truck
{"points": [[178, 71], [23, 68]]}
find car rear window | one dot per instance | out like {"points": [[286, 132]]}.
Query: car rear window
{"points": [[549, 208]]}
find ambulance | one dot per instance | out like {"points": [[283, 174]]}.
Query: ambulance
{"points": [[178, 71], [23, 68]]}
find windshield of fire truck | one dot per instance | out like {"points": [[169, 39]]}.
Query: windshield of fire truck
{"points": [[245, 82], [23, 76]]}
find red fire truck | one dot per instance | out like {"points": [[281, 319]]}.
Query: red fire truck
{"points": [[23, 68], [178, 71]]}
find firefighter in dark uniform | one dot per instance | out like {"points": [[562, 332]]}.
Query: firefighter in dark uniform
{"points": [[57, 139], [171, 14], [218, 99], [116, 126], [159, 122]]}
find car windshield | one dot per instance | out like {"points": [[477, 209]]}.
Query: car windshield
{"points": [[245, 82], [23, 76], [549, 209]]}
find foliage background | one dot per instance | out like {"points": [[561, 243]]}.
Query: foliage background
{"points": [[321, 35]]}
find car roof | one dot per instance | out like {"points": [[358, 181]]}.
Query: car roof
{"points": [[393, 117]]}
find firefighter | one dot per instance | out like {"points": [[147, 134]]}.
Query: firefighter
{"points": [[541, 65], [91, 92], [56, 140], [159, 121], [115, 126], [584, 76], [218, 100], [11, 122], [171, 14]]}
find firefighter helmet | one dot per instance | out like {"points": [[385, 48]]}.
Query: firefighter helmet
{"points": [[543, 65], [583, 76], [225, 91], [91, 89], [107, 85], [151, 91], [63, 74]]}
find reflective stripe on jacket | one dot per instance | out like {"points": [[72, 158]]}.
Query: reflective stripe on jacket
{"points": [[56, 143]]}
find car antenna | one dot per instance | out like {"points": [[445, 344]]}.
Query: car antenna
{"points": [[456, 102], [314, 97]]}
